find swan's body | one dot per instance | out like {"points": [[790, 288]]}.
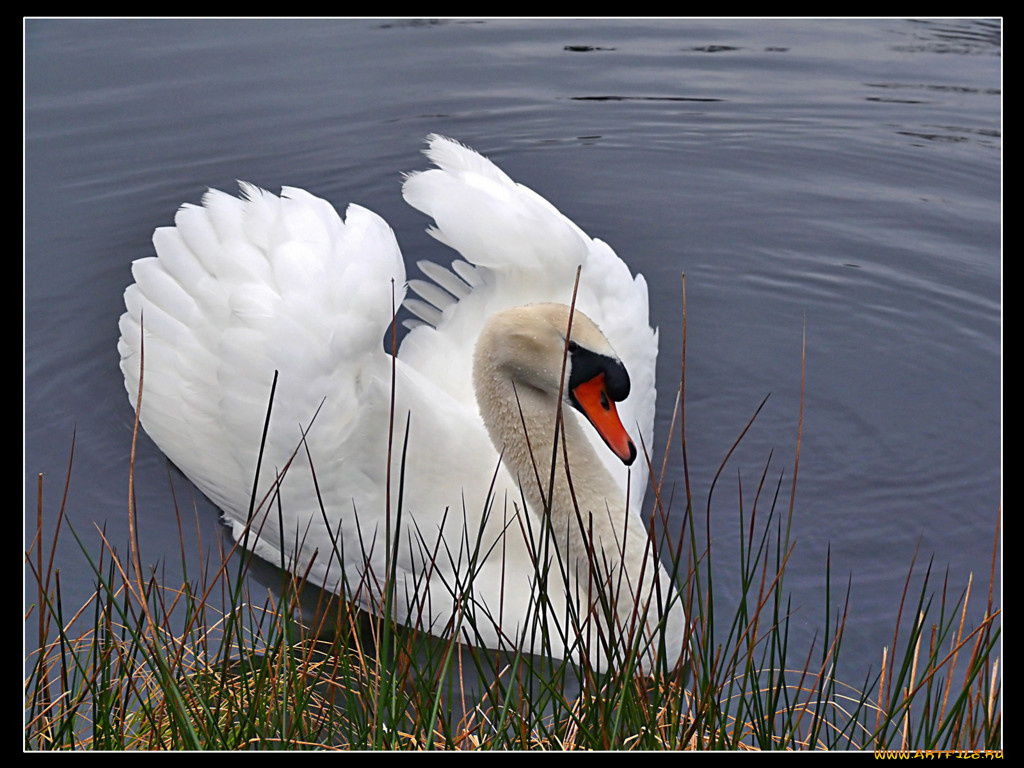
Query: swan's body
{"points": [[242, 288]]}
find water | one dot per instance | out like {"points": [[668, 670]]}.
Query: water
{"points": [[839, 179]]}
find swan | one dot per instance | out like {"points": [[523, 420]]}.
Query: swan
{"points": [[430, 471]]}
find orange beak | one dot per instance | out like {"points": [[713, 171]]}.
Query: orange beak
{"points": [[592, 399]]}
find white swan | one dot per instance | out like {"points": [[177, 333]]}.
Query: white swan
{"points": [[241, 288]]}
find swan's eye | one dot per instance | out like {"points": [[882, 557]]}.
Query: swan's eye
{"points": [[573, 346]]}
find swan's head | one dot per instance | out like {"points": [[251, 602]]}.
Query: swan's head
{"points": [[526, 346]]}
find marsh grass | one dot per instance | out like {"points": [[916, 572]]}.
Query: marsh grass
{"points": [[217, 662]]}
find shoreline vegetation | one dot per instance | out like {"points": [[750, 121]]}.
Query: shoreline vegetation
{"points": [[216, 663]]}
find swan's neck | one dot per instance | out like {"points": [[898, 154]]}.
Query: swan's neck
{"points": [[585, 509], [604, 553], [521, 422]]}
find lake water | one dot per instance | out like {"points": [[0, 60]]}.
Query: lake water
{"points": [[840, 179]]}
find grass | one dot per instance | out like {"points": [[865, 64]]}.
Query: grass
{"points": [[218, 663]]}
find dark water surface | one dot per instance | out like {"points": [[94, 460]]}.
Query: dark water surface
{"points": [[839, 178]]}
